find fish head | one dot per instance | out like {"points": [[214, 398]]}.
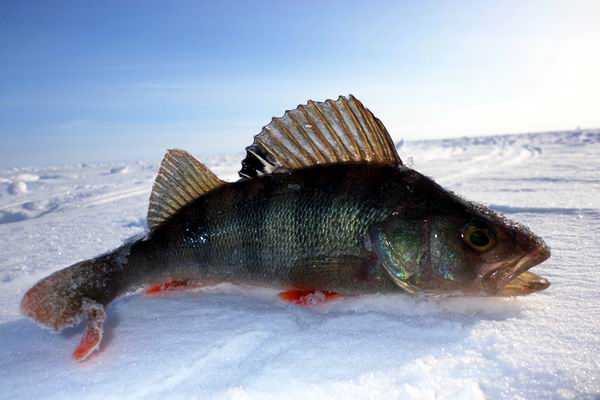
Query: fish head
{"points": [[450, 244], [499, 252]]}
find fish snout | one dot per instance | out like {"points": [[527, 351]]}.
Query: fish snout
{"points": [[512, 277]]}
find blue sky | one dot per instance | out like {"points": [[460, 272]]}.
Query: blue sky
{"points": [[109, 80]]}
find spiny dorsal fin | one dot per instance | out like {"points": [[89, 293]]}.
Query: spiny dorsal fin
{"points": [[181, 179], [320, 133]]}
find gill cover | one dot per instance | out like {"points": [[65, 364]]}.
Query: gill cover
{"points": [[398, 242]]}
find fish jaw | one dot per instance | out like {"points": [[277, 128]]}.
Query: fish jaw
{"points": [[511, 278]]}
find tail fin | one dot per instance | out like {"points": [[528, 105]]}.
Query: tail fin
{"points": [[78, 292]]}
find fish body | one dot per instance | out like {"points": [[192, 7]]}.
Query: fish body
{"points": [[281, 230], [324, 203]]}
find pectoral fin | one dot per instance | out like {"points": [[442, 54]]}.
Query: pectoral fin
{"points": [[327, 272], [315, 277]]}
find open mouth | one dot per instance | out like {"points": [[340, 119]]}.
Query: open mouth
{"points": [[512, 279]]}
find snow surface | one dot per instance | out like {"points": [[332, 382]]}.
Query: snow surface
{"points": [[232, 342]]}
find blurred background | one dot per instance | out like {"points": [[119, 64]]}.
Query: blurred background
{"points": [[116, 80]]}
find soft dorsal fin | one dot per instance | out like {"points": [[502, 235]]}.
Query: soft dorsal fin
{"points": [[181, 179], [320, 133]]}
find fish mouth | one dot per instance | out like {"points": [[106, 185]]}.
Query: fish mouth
{"points": [[511, 278]]}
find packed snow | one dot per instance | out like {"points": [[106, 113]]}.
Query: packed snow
{"points": [[236, 342]]}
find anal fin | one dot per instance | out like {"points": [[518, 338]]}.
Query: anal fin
{"points": [[92, 336]]}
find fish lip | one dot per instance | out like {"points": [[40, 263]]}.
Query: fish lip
{"points": [[498, 275]]}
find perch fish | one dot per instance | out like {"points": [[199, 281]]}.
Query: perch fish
{"points": [[324, 207]]}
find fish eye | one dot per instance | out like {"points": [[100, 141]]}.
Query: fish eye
{"points": [[479, 236]]}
